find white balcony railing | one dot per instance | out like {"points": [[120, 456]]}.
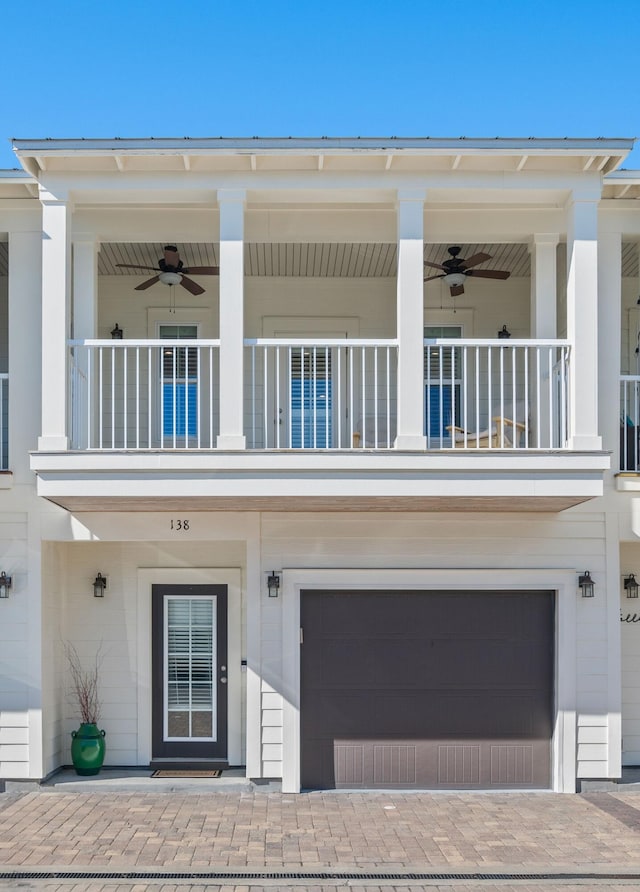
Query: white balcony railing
{"points": [[629, 422], [4, 421], [494, 394], [151, 394], [319, 394], [311, 394]]}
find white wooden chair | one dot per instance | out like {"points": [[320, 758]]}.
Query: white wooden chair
{"points": [[504, 433]]}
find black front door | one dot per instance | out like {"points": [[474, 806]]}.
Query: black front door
{"points": [[189, 672]]}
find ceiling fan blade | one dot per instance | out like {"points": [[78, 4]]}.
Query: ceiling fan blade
{"points": [[434, 265], [475, 259], [489, 273], [136, 266], [147, 284], [203, 270], [430, 278], [456, 290], [191, 286]]}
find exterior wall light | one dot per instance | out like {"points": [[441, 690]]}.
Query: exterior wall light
{"points": [[117, 333], [99, 585], [631, 586], [273, 584], [504, 333], [586, 585], [5, 585]]}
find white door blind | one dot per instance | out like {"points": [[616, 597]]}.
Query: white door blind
{"points": [[190, 664]]}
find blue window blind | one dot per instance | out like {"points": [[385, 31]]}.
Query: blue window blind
{"points": [[186, 398], [439, 409], [310, 413]]}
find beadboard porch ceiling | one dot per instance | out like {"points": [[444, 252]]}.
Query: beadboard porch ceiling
{"points": [[354, 260]]}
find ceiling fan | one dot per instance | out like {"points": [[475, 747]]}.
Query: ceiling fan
{"points": [[456, 269], [171, 271]]}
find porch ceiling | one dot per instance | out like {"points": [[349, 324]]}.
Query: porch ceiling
{"points": [[322, 259], [335, 259], [466, 504]]}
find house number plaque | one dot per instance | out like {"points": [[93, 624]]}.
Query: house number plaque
{"points": [[181, 525]]}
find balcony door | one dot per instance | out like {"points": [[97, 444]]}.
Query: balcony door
{"points": [[305, 395]]}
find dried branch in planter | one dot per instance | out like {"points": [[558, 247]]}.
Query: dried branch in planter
{"points": [[84, 684]]}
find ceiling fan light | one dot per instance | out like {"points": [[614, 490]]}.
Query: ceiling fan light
{"points": [[170, 278], [455, 278]]}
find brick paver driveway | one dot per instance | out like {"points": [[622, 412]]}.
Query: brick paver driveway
{"points": [[352, 832]]}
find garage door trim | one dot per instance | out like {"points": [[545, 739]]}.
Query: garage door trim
{"points": [[561, 581]]}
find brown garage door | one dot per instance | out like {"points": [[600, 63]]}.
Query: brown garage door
{"points": [[429, 690]]}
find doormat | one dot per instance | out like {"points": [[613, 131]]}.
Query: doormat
{"points": [[214, 772]]}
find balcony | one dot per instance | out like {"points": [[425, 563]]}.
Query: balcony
{"points": [[336, 394], [320, 422]]}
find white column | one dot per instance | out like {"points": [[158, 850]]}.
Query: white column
{"points": [[544, 284], [410, 311], [56, 265], [85, 286], [231, 203], [85, 325], [582, 321], [25, 376], [609, 328], [544, 287]]}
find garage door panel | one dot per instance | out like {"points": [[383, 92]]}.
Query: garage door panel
{"points": [[462, 697]]}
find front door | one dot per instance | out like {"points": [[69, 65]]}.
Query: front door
{"points": [[189, 672]]}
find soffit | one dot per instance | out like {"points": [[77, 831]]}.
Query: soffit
{"points": [[322, 260]]}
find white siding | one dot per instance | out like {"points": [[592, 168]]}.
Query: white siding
{"points": [[16, 677], [108, 626]]}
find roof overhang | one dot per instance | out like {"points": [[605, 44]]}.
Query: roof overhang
{"points": [[331, 153]]}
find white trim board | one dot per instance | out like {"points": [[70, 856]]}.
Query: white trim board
{"points": [[563, 582]]}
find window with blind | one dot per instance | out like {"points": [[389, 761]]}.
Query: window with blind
{"points": [[190, 660], [179, 382], [441, 381]]}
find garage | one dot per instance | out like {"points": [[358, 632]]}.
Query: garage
{"points": [[406, 689]]}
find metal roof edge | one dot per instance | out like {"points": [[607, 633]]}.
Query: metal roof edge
{"points": [[20, 175], [622, 176], [597, 145]]}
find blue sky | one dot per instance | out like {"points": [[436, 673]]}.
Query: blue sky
{"points": [[350, 68]]}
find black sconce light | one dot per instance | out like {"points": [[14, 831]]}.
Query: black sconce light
{"points": [[504, 333], [99, 585], [273, 584], [117, 333], [586, 585], [631, 586], [5, 585]]}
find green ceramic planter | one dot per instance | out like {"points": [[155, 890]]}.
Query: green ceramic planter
{"points": [[87, 749]]}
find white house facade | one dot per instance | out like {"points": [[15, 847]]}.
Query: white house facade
{"points": [[349, 427]]}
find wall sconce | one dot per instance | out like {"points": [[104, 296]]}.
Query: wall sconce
{"points": [[273, 584], [99, 585], [117, 333], [5, 585], [586, 585], [631, 586], [504, 333]]}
